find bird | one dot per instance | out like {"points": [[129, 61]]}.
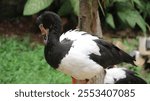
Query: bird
{"points": [[77, 53], [121, 75]]}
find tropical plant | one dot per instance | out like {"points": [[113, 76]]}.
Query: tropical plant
{"points": [[34, 6], [130, 13], [117, 13]]}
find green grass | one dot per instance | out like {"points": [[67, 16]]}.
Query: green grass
{"points": [[22, 61]]}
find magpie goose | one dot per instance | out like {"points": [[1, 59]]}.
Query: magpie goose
{"points": [[122, 76], [77, 53]]}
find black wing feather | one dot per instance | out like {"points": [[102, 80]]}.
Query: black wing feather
{"points": [[110, 54]]}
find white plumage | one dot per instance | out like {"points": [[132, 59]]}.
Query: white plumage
{"points": [[114, 74], [79, 53]]}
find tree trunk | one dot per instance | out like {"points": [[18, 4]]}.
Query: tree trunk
{"points": [[89, 21], [89, 18]]}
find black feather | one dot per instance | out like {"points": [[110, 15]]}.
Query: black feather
{"points": [[55, 51], [131, 78], [110, 55]]}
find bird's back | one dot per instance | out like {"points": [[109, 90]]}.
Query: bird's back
{"points": [[122, 76]]}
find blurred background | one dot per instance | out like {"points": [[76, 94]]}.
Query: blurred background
{"points": [[126, 23]]}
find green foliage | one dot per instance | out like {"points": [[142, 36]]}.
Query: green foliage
{"points": [[69, 6], [34, 6], [132, 18], [65, 8], [110, 20], [75, 5], [23, 61], [130, 13], [119, 13]]}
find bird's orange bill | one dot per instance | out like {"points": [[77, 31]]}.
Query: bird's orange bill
{"points": [[43, 30]]}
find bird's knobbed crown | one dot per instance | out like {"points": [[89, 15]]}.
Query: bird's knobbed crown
{"points": [[49, 21]]}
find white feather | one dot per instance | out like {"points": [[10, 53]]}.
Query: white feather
{"points": [[76, 34], [80, 65], [114, 74]]}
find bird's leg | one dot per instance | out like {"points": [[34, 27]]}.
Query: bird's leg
{"points": [[75, 81]]}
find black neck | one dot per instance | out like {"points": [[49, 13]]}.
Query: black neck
{"points": [[52, 38], [56, 24], [57, 29]]}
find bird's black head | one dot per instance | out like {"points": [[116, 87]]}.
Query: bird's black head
{"points": [[47, 22]]}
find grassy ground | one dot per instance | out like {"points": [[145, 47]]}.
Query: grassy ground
{"points": [[22, 61]]}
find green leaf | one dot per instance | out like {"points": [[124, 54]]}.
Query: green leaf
{"points": [[34, 6], [66, 8], [69, 6], [110, 20], [148, 8], [139, 3], [120, 0], [75, 5], [123, 6], [141, 23], [131, 21], [132, 17], [122, 16]]}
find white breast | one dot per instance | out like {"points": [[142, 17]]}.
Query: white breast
{"points": [[77, 62]]}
